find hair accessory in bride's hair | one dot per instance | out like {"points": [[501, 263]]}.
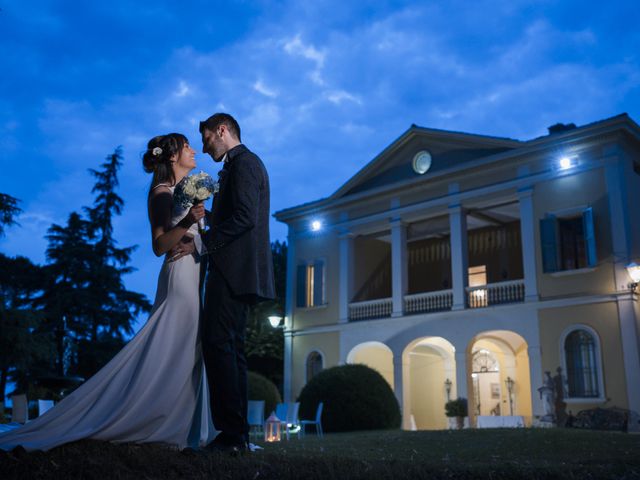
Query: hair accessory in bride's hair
{"points": [[156, 151]]}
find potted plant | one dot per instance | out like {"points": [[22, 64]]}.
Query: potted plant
{"points": [[457, 409]]}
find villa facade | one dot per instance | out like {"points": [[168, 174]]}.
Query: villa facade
{"points": [[462, 265]]}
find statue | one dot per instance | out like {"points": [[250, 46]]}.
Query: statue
{"points": [[547, 396]]}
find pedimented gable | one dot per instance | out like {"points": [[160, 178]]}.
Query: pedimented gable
{"points": [[447, 149]]}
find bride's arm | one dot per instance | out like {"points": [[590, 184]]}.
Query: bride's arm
{"points": [[164, 237]]}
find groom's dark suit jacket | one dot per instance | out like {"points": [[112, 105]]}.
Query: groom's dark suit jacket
{"points": [[239, 236]]}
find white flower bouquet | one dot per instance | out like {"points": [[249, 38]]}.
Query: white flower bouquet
{"points": [[194, 189]]}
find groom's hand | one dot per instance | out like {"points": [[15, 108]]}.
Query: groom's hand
{"points": [[186, 246]]}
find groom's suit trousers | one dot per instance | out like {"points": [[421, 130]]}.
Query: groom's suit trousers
{"points": [[223, 336]]}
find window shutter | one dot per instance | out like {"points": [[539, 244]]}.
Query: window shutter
{"points": [[589, 237], [548, 239], [318, 283], [301, 287]]}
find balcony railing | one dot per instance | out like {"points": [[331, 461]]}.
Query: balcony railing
{"points": [[370, 309], [495, 294], [428, 302]]}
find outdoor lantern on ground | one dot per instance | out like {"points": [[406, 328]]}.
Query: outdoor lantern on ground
{"points": [[272, 429]]}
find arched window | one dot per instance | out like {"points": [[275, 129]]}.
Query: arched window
{"points": [[314, 365], [581, 357]]}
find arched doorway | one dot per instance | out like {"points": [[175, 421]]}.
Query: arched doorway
{"points": [[485, 375], [375, 355], [500, 378], [431, 376]]}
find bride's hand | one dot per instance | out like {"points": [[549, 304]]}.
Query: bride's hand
{"points": [[195, 213], [185, 247]]}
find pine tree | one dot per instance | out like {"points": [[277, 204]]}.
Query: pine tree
{"points": [[8, 211], [111, 308], [25, 348], [67, 297]]}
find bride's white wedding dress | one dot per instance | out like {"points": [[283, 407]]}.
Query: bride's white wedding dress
{"points": [[153, 390]]}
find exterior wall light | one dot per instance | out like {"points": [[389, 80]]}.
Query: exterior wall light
{"points": [[566, 163], [316, 225], [634, 272], [275, 320]]}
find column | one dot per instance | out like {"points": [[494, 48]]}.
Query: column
{"points": [[291, 279], [346, 274], [619, 227], [401, 388], [535, 376], [630, 353], [459, 255], [462, 378], [288, 365], [399, 272], [527, 234], [288, 319]]}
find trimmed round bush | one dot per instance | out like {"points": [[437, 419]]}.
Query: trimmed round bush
{"points": [[261, 388], [355, 397]]}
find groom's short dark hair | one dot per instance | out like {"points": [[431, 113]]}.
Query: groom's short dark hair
{"points": [[217, 119]]}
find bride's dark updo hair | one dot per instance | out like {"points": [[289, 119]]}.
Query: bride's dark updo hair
{"points": [[157, 158]]}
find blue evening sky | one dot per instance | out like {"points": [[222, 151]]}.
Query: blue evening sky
{"points": [[319, 88]]}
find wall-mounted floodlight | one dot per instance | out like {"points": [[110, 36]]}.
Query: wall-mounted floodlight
{"points": [[567, 162], [316, 225]]}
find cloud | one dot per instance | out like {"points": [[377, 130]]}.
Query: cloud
{"points": [[260, 87], [339, 96], [296, 47], [183, 89]]}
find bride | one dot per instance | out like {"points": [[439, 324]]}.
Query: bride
{"points": [[154, 389]]}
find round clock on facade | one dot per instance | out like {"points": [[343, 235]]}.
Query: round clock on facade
{"points": [[422, 162]]}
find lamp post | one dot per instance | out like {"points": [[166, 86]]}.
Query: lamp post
{"points": [[634, 272], [447, 388], [510, 383]]}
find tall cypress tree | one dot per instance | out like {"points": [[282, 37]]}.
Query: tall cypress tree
{"points": [[111, 309]]}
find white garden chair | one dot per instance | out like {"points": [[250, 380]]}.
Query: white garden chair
{"points": [[317, 422], [292, 420], [44, 405], [255, 417]]}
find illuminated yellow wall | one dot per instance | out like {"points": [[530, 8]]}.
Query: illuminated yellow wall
{"points": [[326, 343], [603, 318]]}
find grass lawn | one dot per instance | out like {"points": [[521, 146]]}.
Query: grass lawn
{"points": [[495, 454]]}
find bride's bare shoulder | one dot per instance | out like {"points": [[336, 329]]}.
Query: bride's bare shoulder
{"points": [[160, 189]]}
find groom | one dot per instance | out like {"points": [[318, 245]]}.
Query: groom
{"points": [[240, 274]]}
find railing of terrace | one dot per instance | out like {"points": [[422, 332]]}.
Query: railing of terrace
{"points": [[495, 294], [428, 302], [370, 309]]}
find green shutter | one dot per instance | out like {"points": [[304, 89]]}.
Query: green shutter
{"points": [[301, 286], [318, 283], [548, 239], [589, 237]]}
